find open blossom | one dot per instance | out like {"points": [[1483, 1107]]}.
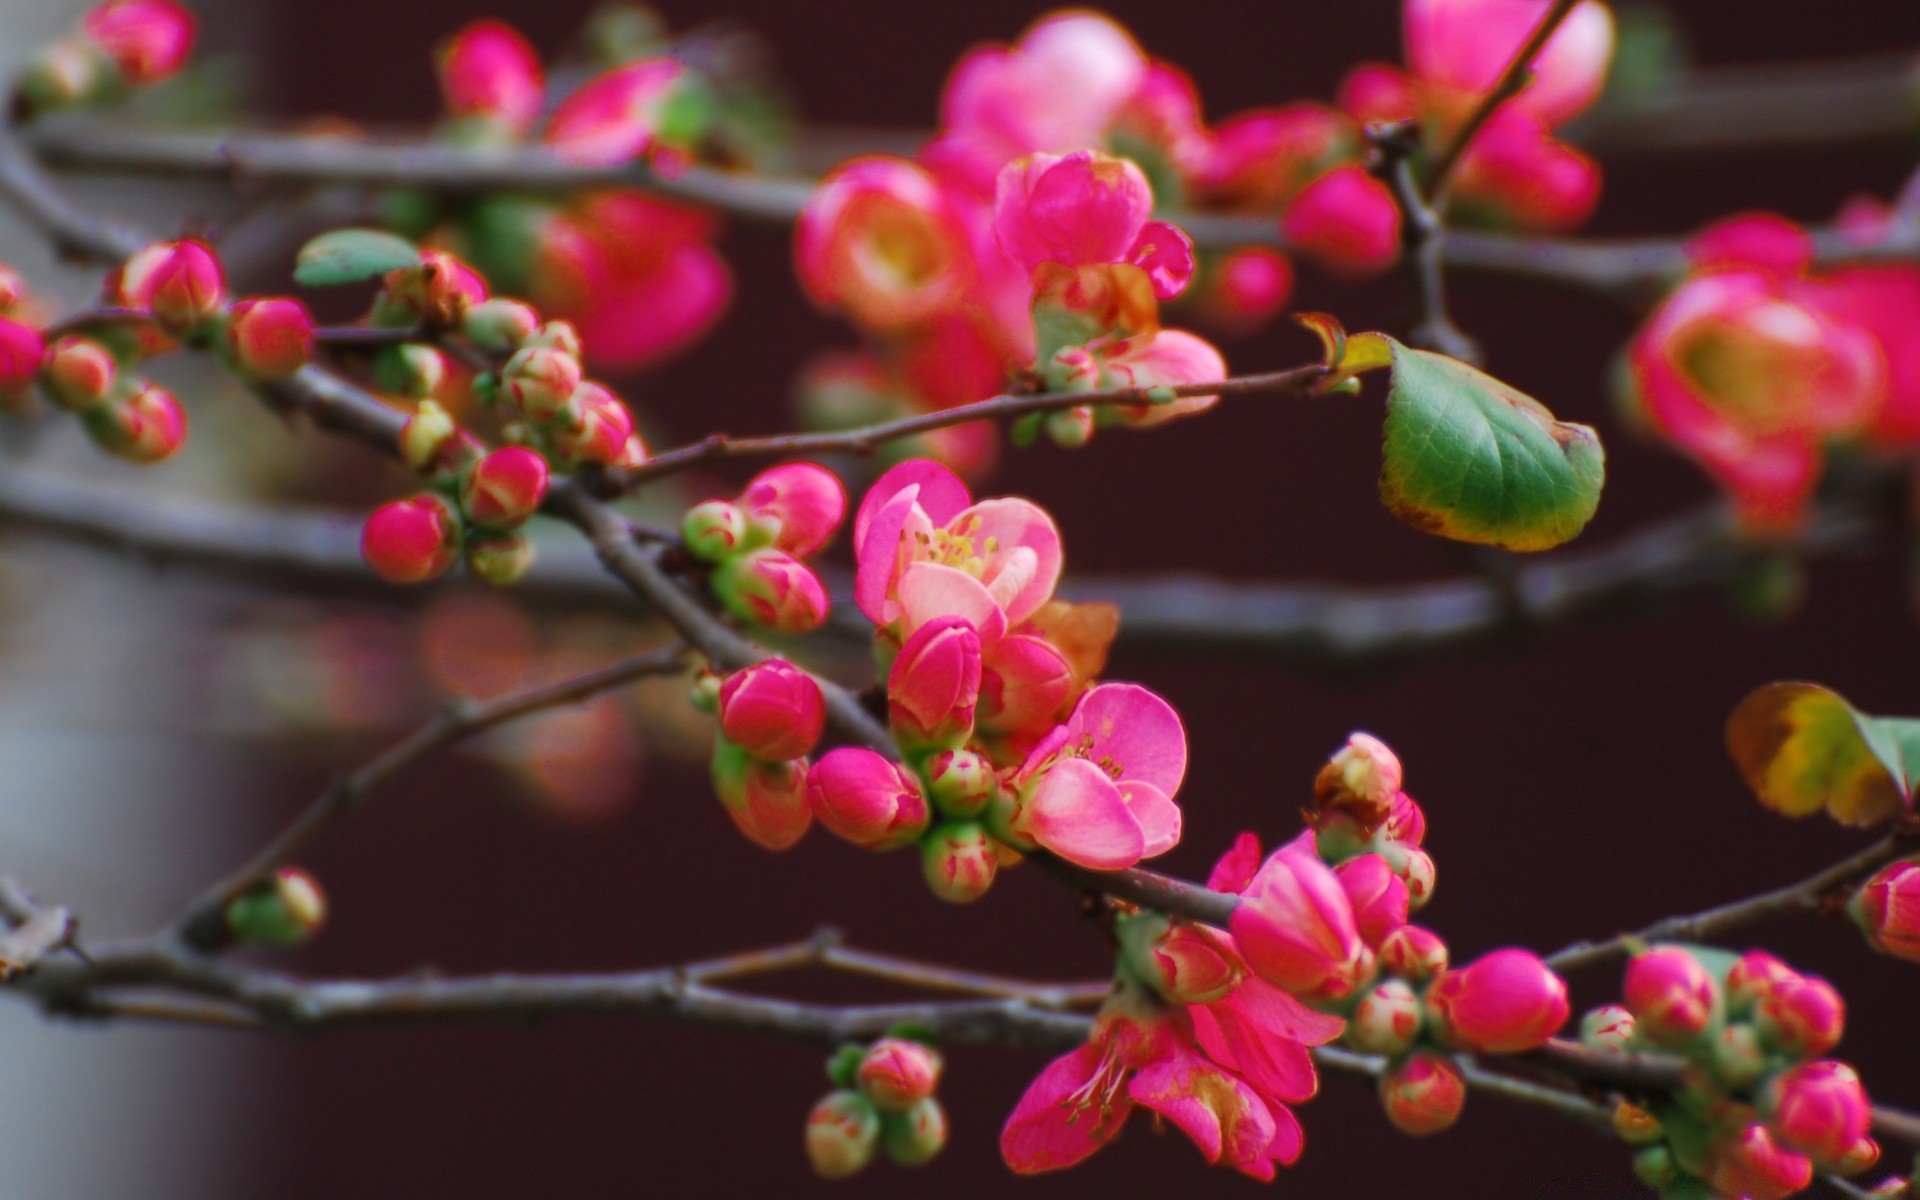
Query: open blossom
{"points": [[489, 70], [880, 239]]}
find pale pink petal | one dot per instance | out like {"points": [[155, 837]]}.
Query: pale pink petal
{"points": [[1158, 815], [999, 528], [1136, 730], [1047, 1131], [877, 553], [1077, 813], [939, 492], [930, 590]]}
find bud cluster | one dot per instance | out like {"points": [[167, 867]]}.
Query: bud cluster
{"points": [[1759, 1111], [121, 45], [771, 716], [756, 541], [883, 1100]]}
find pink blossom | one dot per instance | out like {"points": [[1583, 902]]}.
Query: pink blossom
{"points": [[1296, 928], [1264, 157], [897, 1074], [934, 686], [1058, 89], [1377, 92], [1461, 47], [1516, 173], [1169, 358], [1346, 220], [1750, 1164], [1378, 896], [1099, 789], [866, 798], [798, 505], [1803, 1016], [879, 239], [1819, 1109], [1503, 1003], [148, 40], [773, 710], [270, 337], [489, 70], [1164, 113], [1083, 207], [614, 117]]}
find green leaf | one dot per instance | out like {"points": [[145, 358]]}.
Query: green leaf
{"points": [[1471, 459], [1803, 749], [351, 255]]}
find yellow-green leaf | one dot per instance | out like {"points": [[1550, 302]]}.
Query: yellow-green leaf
{"points": [[1803, 749]]}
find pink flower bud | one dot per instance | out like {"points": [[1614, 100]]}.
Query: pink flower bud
{"points": [[411, 540], [500, 325], [488, 70], [1609, 1027], [1361, 778], [413, 369], [767, 800], [1378, 897], [934, 685], [879, 239], [1170, 358], [539, 380], [1174, 960], [1503, 1003], [1753, 978], [1406, 823], [147, 40], [772, 588], [960, 783], [1804, 1017], [439, 290], [842, 1132], [431, 441], [1413, 954], [915, 1136], [1249, 286], [1387, 1019], [603, 434], [1415, 869], [1423, 1095], [615, 116], [959, 861], [773, 710], [714, 530], [1751, 1165], [505, 488], [800, 505], [1819, 1109], [270, 338], [866, 798], [1860, 1157], [1673, 998], [21, 348], [1887, 909], [78, 373], [286, 910], [180, 283], [146, 427], [499, 559], [1081, 208], [1347, 221], [897, 1074], [1295, 927]]}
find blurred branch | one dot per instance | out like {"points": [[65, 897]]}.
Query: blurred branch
{"points": [[1518, 73], [1421, 245]]}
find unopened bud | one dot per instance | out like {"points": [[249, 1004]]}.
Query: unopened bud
{"points": [[1503, 1003], [915, 1136], [1819, 1109], [1739, 1060], [1069, 428], [412, 369], [772, 588], [714, 530], [959, 861], [1177, 962], [842, 1132], [1654, 1166], [1803, 1017], [1609, 1027], [432, 440], [1673, 998], [270, 338], [500, 559], [1361, 778], [1413, 953], [1751, 1164], [77, 373], [539, 380], [411, 540], [146, 427], [1887, 910], [1754, 977], [505, 488], [934, 685], [1387, 1020], [772, 709], [866, 798], [601, 431], [1379, 898], [1423, 1095], [767, 800], [180, 283], [287, 909], [557, 335], [897, 1074], [704, 694], [1635, 1125], [147, 40], [21, 349], [795, 507], [63, 74], [439, 290], [960, 782], [499, 325]]}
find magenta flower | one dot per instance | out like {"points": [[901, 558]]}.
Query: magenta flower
{"points": [[412, 540], [934, 686], [1296, 928], [1346, 220], [773, 710], [1169, 358], [767, 800], [1503, 1003], [1264, 157], [1821, 1110], [488, 70], [1099, 789], [880, 239], [1460, 47], [798, 506], [1518, 174], [1087, 208], [772, 588], [21, 348], [1378, 896], [147, 40]]}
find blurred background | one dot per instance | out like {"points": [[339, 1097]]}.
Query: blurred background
{"points": [[156, 723]]}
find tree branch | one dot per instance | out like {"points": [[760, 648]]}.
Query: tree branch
{"points": [[1518, 74], [1422, 240]]}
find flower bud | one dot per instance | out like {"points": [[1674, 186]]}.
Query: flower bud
{"points": [[1503, 1003], [1751, 1165], [287, 909], [797, 506], [21, 348], [866, 798], [1413, 954], [960, 783], [64, 73], [1655, 1167], [1406, 823], [505, 488], [842, 1133], [772, 588], [1295, 927], [488, 71], [714, 530], [1415, 869], [557, 335], [438, 290], [1387, 1019], [1378, 897], [704, 693], [145, 427], [897, 1074], [1803, 1017], [1423, 1095], [915, 1136], [1174, 960], [500, 559], [413, 369], [411, 540], [1248, 287], [1887, 909], [270, 338], [431, 441], [1635, 1125], [539, 380], [1738, 1058], [1361, 778], [1069, 428], [934, 685], [13, 290], [602, 430], [959, 861], [773, 710], [1347, 221], [1673, 998], [1819, 1109], [180, 283], [147, 40], [767, 800], [1860, 1157], [499, 325], [1753, 978], [1609, 1027]]}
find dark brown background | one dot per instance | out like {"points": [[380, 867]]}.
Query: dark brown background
{"points": [[1575, 782]]}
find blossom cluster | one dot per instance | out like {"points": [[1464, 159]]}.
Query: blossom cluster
{"points": [[883, 1100], [1759, 1110], [120, 45], [1758, 360]]}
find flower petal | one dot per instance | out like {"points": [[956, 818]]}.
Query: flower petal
{"points": [[1078, 813], [1046, 1131], [1223, 1116], [938, 491], [1137, 730], [1235, 869], [928, 591], [1008, 525], [1158, 815]]}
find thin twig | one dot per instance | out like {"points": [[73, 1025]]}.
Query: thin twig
{"points": [[1422, 241], [1518, 73]]}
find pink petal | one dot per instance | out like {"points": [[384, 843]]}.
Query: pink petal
{"points": [[1137, 730], [1249, 1032], [931, 590], [1165, 253], [1011, 524], [1761, 239], [1046, 1132], [614, 116], [1077, 813], [939, 492], [880, 551], [637, 322], [1158, 815], [1221, 1114], [1235, 869], [1024, 682]]}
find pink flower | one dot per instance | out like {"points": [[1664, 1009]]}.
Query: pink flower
{"points": [[270, 338], [1887, 909], [180, 283], [1819, 1109], [506, 487], [148, 40], [1296, 928], [866, 798], [1264, 157], [1376, 92], [1087, 208], [1169, 358], [1346, 220], [21, 348], [1461, 47], [410, 541], [1378, 896], [614, 117], [1516, 173], [879, 239], [1099, 789], [934, 686], [798, 506], [488, 70], [1672, 997], [1884, 302], [1058, 89], [1504, 1003], [1752, 1165], [773, 710]]}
